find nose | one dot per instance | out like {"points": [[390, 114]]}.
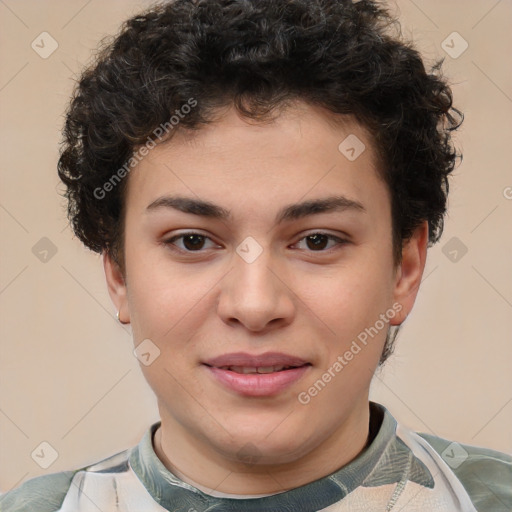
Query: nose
{"points": [[257, 294]]}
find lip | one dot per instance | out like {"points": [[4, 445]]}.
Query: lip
{"points": [[257, 384], [252, 361]]}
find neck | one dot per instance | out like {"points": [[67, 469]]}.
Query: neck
{"points": [[197, 463]]}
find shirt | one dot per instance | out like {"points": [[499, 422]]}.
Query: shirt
{"points": [[400, 470]]}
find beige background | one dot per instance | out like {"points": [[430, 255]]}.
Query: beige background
{"points": [[68, 375]]}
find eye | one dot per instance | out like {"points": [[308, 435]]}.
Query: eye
{"points": [[192, 242], [317, 241]]}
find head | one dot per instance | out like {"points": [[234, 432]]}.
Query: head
{"points": [[214, 118]]}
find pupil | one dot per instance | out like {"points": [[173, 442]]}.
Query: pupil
{"points": [[190, 238], [196, 241], [316, 244]]}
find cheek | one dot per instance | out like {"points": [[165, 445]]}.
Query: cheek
{"points": [[168, 307], [350, 306], [349, 298], [161, 312], [158, 296]]}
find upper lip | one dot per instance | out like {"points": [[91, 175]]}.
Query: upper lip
{"points": [[254, 361]]}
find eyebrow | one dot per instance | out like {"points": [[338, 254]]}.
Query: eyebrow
{"points": [[288, 213]]}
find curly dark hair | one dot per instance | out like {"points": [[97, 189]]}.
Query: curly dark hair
{"points": [[259, 55]]}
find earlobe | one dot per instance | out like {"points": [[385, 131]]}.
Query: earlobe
{"points": [[116, 287], [410, 272]]}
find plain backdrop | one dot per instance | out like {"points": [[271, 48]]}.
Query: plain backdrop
{"points": [[68, 374]]}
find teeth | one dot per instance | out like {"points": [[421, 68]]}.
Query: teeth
{"points": [[242, 369], [259, 369], [267, 369]]}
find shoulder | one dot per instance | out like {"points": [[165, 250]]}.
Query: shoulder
{"points": [[43, 493], [485, 474], [47, 493]]}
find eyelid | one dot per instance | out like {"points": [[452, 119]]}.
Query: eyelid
{"points": [[169, 241], [341, 240]]}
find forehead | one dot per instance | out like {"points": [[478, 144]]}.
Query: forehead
{"points": [[302, 154]]}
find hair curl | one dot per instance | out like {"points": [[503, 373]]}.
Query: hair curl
{"points": [[259, 55]]}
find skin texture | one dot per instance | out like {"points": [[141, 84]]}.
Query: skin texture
{"points": [[294, 298]]}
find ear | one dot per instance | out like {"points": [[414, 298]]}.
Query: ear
{"points": [[410, 272], [116, 287]]}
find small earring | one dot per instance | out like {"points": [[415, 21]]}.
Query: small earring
{"points": [[119, 320]]}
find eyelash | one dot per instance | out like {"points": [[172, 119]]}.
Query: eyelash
{"points": [[173, 247]]}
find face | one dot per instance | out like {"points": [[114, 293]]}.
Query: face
{"points": [[251, 283]]}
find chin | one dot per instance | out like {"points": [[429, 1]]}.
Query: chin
{"points": [[255, 445]]}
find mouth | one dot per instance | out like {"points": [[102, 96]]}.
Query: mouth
{"points": [[247, 370], [275, 360], [257, 375]]}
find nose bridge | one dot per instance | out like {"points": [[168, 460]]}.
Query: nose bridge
{"points": [[253, 293], [253, 272], [253, 277]]}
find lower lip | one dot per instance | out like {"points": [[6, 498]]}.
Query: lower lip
{"points": [[258, 384]]}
